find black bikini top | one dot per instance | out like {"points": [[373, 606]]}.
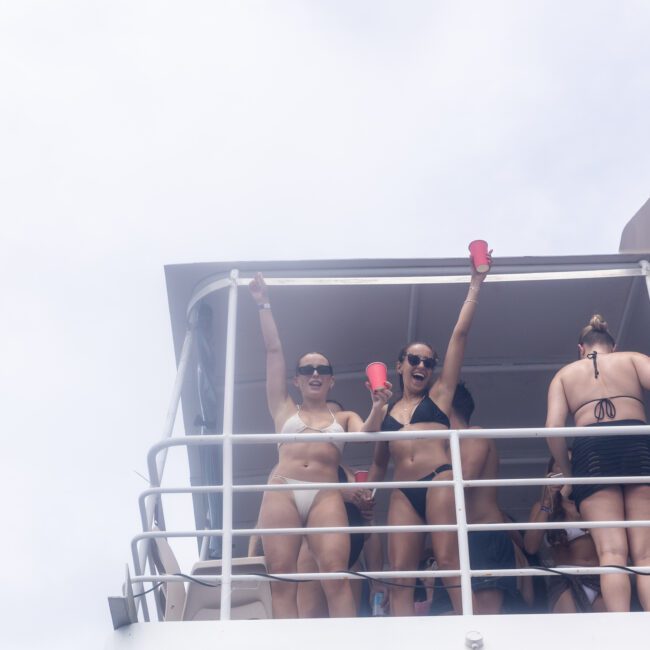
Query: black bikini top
{"points": [[426, 411], [603, 406]]}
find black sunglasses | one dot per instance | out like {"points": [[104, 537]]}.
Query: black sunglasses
{"points": [[309, 370], [427, 362]]}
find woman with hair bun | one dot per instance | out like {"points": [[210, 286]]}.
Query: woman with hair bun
{"points": [[605, 388]]}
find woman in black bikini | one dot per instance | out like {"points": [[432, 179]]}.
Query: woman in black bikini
{"points": [[424, 405], [605, 388]]}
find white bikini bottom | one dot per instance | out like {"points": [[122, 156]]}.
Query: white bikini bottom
{"points": [[304, 499]]}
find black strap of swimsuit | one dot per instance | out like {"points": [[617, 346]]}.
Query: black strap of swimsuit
{"points": [[443, 468], [593, 356], [604, 407]]}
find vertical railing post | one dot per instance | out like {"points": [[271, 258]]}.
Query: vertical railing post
{"points": [[228, 398], [139, 561], [645, 265], [461, 522]]}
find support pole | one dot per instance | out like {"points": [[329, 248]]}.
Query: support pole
{"points": [[645, 266], [228, 398], [461, 522], [139, 560]]}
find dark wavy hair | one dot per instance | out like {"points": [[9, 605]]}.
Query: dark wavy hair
{"points": [[463, 402]]}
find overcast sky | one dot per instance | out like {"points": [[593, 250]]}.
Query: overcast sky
{"points": [[135, 134]]}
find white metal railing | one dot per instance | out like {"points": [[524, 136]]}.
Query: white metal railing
{"points": [[148, 505], [459, 484]]}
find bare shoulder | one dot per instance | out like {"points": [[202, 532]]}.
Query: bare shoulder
{"points": [[566, 371], [633, 356], [347, 419]]}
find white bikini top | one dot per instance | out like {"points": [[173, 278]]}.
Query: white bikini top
{"points": [[571, 534], [295, 424]]}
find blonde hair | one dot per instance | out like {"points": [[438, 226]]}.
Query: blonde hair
{"points": [[596, 332]]}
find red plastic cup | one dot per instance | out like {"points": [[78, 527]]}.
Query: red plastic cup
{"points": [[361, 476], [376, 373], [479, 251]]}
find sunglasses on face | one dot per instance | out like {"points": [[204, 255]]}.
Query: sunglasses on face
{"points": [[310, 370], [416, 359]]}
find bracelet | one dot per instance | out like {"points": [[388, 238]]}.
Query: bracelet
{"points": [[545, 509], [471, 300], [264, 305]]}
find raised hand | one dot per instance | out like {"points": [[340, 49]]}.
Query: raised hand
{"points": [[258, 289], [380, 396], [476, 276]]}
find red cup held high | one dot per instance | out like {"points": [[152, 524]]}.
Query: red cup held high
{"points": [[377, 373], [479, 251]]}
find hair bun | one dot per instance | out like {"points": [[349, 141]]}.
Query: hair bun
{"points": [[597, 323]]}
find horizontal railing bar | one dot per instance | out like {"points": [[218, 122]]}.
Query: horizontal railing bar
{"points": [[451, 279], [316, 530], [569, 480], [334, 575], [387, 485], [270, 438], [552, 525], [585, 274], [392, 575]]}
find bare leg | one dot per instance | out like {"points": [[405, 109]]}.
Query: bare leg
{"points": [[441, 509], [487, 601], [404, 553], [637, 506], [311, 598], [357, 588], [332, 551], [565, 604], [281, 551], [611, 545]]}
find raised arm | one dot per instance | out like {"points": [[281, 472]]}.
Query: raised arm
{"points": [[540, 513], [556, 415], [277, 396], [443, 390], [380, 398]]}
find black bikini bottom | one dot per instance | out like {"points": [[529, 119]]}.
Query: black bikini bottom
{"points": [[418, 496], [617, 455]]}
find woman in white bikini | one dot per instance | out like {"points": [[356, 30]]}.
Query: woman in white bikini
{"points": [[306, 462]]}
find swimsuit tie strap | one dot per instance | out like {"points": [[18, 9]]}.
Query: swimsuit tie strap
{"points": [[604, 407], [593, 356]]}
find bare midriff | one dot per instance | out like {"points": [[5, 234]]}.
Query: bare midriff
{"points": [[309, 461], [414, 459], [580, 552]]}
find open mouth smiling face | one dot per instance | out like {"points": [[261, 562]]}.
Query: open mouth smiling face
{"points": [[417, 367]]}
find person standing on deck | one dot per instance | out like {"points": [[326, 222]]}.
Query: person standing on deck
{"points": [[490, 549]]}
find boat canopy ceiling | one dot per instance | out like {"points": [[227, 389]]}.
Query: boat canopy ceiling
{"points": [[526, 327]]}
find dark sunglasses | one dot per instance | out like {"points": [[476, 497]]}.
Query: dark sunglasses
{"points": [[427, 362], [309, 370]]}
